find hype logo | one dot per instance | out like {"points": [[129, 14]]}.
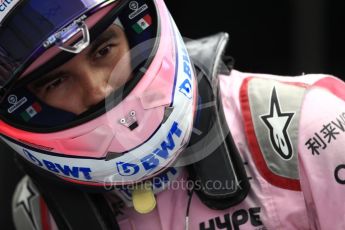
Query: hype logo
{"points": [[278, 123]]}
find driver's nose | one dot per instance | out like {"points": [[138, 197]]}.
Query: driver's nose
{"points": [[93, 83]]}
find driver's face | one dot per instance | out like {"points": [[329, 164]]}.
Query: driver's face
{"points": [[90, 76]]}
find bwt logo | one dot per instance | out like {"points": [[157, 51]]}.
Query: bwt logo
{"points": [[153, 160], [127, 169], [64, 170], [186, 86], [4, 4]]}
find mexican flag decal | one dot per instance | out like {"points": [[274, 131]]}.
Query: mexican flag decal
{"points": [[142, 24], [31, 111]]}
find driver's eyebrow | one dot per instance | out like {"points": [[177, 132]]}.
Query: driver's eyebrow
{"points": [[104, 37], [46, 79]]}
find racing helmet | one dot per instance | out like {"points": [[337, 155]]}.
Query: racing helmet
{"points": [[132, 134]]}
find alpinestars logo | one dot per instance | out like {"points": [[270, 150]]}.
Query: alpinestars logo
{"points": [[24, 201], [278, 122]]}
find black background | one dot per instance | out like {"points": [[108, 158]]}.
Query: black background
{"points": [[288, 37]]}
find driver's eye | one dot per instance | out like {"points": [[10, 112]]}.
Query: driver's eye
{"points": [[104, 51], [54, 83]]}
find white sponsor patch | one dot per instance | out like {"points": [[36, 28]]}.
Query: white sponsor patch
{"points": [[13, 100], [6, 6], [134, 5]]}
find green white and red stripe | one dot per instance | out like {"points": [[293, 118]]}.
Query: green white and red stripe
{"points": [[142, 24], [31, 111]]}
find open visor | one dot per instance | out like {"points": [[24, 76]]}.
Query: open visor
{"points": [[35, 26]]}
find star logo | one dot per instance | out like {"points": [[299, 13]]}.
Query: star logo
{"points": [[278, 123], [24, 200]]}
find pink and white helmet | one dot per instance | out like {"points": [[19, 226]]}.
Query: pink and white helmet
{"points": [[134, 133]]}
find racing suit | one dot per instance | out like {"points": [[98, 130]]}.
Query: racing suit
{"points": [[290, 134]]}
